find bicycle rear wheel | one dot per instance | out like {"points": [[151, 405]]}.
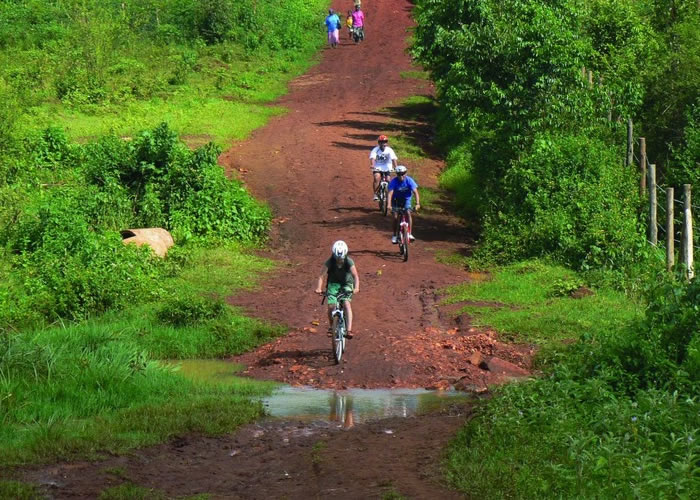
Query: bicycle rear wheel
{"points": [[338, 345]]}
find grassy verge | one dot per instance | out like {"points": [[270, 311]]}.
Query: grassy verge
{"points": [[130, 491], [98, 386], [591, 428], [532, 302]]}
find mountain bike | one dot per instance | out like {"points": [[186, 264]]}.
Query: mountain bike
{"points": [[338, 327], [404, 231], [383, 191]]}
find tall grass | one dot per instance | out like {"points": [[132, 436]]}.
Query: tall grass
{"points": [[98, 385], [610, 418]]}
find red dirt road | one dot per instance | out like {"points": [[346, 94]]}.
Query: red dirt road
{"points": [[311, 166]]}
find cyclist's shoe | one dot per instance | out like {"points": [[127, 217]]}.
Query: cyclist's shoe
{"points": [[394, 240], [329, 333], [376, 198], [411, 237], [348, 335]]}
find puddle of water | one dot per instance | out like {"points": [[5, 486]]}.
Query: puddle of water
{"points": [[343, 408], [355, 406]]}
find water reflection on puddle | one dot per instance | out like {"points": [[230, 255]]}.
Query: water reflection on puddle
{"points": [[355, 406], [320, 407]]}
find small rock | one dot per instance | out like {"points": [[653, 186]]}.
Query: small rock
{"points": [[475, 358]]}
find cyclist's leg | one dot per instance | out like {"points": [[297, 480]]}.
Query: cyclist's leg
{"points": [[377, 180], [395, 215], [347, 289], [333, 291]]}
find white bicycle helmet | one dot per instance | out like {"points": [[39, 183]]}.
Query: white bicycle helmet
{"points": [[340, 249], [400, 169]]}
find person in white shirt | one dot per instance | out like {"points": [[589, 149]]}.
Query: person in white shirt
{"points": [[382, 160]]}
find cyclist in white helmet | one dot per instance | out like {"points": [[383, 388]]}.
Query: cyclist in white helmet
{"points": [[342, 278], [401, 190], [382, 159]]}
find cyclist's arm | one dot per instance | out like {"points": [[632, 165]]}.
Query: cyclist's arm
{"points": [[391, 195], [415, 193], [356, 278], [319, 285], [394, 163]]}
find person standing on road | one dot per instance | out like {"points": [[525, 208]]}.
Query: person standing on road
{"points": [[348, 23], [358, 21], [341, 278], [381, 160], [401, 189], [333, 25]]}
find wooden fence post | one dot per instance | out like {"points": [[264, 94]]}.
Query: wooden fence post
{"points": [[583, 72], [687, 238], [630, 147], [643, 166], [670, 243], [653, 229], [590, 78]]}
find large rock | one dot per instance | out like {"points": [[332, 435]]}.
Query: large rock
{"points": [[157, 238], [503, 367]]}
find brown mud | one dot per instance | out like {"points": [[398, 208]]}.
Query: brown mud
{"points": [[311, 165]]}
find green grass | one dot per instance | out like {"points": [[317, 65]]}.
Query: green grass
{"points": [[532, 305], [415, 74], [583, 430], [196, 119], [97, 386], [18, 491], [130, 491]]}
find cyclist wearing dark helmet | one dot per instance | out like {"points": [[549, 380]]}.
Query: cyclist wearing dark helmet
{"points": [[382, 160]]}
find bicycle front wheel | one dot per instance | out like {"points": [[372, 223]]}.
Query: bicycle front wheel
{"points": [[338, 339], [404, 237], [385, 202]]}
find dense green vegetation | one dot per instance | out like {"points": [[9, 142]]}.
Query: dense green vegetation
{"points": [[617, 412], [536, 154], [532, 150], [96, 67], [93, 96]]}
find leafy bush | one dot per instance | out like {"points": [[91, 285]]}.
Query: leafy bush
{"points": [[534, 151], [64, 240], [567, 197]]}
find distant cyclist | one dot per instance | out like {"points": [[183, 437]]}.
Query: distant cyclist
{"points": [[381, 159], [342, 278], [401, 190]]}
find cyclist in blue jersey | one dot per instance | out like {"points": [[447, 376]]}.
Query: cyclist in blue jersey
{"points": [[401, 190]]}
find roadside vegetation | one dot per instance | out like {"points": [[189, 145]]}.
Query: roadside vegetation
{"points": [[536, 154], [112, 116], [98, 67]]}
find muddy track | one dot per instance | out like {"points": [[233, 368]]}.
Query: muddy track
{"points": [[311, 166]]}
